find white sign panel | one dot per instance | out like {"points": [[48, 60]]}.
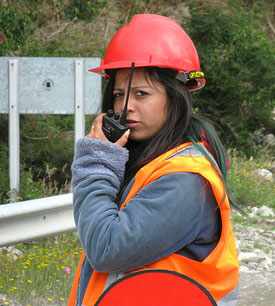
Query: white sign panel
{"points": [[46, 85]]}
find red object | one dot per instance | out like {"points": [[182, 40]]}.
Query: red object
{"points": [[155, 288], [152, 40]]}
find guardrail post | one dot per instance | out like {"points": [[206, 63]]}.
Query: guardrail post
{"points": [[14, 155], [79, 99]]}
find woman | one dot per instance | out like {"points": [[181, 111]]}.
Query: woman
{"points": [[156, 198]]}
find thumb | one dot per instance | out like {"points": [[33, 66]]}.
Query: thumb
{"points": [[123, 139]]}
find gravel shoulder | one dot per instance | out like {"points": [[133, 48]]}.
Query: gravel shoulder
{"points": [[256, 252]]}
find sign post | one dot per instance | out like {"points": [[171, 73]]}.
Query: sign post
{"points": [[46, 85], [14, 151]]}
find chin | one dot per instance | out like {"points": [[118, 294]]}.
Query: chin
{"points": [[139, 137]]}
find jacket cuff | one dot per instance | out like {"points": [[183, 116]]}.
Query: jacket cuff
{"points": [[95, 156]]}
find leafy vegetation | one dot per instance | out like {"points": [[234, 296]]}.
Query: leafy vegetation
{"points": [[249, 190], [237, 58], [16, 23], [46, 153], [84, 9]]}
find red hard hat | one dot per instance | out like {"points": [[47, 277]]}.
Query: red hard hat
{"points": [[156, 41]]}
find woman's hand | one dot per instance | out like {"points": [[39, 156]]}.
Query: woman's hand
{"points": [[97, 132]]}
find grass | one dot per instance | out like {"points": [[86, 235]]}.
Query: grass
{"points": [[259, 245], [40, 276], [43, 274], [249, 190]]}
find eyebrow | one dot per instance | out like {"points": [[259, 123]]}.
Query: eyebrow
{"points": [[134, 87]]}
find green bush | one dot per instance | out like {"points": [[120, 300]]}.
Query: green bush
{"points": [[238, 60], [47, 142], [84, 9], [248, 189], [16, 23], [46, 153], [4, 158]]}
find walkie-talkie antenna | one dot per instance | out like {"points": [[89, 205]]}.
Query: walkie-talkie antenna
{"points": [[124, 114]]}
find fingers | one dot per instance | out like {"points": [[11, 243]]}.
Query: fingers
{"points": [[98, 122], [96, 129]]}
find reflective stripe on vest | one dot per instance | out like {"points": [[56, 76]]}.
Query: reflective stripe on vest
{"points": [[218, 272]]}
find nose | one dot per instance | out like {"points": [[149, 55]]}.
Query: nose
{"points": [[130, 105]]}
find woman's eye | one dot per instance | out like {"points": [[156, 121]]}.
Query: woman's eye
{"points": [[118, 95], [141, 93]]}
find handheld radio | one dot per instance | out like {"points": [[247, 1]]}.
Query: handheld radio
{"points": [[112, 125]]}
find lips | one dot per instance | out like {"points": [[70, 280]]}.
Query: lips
{"points": [[132, 123]]}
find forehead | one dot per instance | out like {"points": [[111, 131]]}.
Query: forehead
{"points": [[141, 78], [123, 75]]}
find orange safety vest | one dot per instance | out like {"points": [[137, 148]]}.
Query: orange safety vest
{"points": [[219, 271]]}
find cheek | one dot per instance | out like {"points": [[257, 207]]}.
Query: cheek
{"points": [[156, 118], [162, 119], [163, 111]]}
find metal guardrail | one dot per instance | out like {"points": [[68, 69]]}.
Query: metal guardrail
{"points": [[35, 219]]}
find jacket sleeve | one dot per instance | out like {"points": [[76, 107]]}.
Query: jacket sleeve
{"points": [[161, 219]]}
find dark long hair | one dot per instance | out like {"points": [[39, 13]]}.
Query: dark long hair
{"points": [[181, 126]]}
